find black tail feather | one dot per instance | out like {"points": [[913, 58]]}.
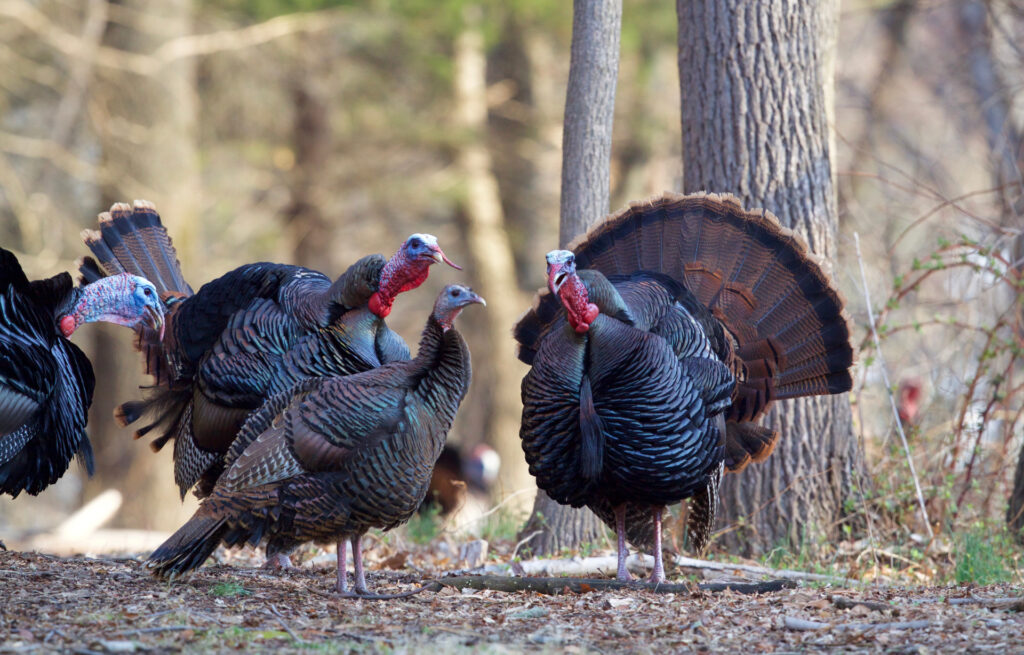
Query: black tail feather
{"points": [[189, 547]]}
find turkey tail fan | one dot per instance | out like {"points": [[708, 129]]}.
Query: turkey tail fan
{"points": [[189, 547], [786, 318], [132, 239]]}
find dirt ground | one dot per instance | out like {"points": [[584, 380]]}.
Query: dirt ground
{"points": [[84, 605]]}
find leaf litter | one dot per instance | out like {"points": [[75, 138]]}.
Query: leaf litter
{"points": [[85, 605]]}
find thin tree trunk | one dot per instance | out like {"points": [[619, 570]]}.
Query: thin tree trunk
{"points": [[156, 161], [586, 156], [493, 263], [755, 80], [1006, 144]]}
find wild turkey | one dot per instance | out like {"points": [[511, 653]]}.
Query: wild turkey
{"points": [[685, 317], [335, 456], [248, 334], [46, 382], [460, 477]]}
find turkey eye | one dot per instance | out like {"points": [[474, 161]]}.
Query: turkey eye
{"points": [[415, 243], [455, 293], [148, 292]]}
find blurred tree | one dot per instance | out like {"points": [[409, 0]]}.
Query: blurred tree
{"points": [[756, 84], [491, 252], [586, 155], [145, 125]]}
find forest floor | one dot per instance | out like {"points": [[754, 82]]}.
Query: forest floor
{"points": [[89, 605]]}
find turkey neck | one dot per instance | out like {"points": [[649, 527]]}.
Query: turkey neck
{"points": [[356, 285], [441, 370]]}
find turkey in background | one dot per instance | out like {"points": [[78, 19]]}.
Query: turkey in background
{"points": [[462, 484]]}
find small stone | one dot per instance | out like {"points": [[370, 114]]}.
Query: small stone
{"points": [[473, 554], [118, 646], [616, 603]]}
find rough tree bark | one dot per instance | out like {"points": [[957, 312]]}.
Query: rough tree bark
{"points": [[756, 85], [493, 264], [586, 156], [148, 143]]}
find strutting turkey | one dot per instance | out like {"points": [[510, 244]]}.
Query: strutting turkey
{"points": [[684, 318], [248, 334], [335, 456], [46, 382]]}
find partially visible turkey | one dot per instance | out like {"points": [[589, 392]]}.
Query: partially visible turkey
{"points": [[248, 334], [665, 335], [334, 457], [46, 382]]}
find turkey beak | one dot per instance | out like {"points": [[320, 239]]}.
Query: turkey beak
{"points": [[154, 318], [476, 298], [556, 277], [438, 256]]}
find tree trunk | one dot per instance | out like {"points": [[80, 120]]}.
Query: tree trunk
{"points": [[756, 81], [310, 233], [147, 134], [586, 156], [493, 264]]}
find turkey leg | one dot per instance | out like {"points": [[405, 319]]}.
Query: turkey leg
{"points": [[620, 530], [342, 563], [658, 575], [357, 561]]}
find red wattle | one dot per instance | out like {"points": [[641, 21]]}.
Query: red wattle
{"points": [[67, 326], [377, 306]]}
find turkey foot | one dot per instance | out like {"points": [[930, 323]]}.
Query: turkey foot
{"points": [[278, 562]]}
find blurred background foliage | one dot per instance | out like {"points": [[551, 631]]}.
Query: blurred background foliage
{"points": [[314, 132]]}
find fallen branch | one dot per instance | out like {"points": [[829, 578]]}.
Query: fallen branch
{"points": [[555, 586], [793, 623], [1010, 604], [844, 603], [589, 566], [788, 574]]}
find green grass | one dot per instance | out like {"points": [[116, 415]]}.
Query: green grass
{"points": [[502, 525], [424, 526], [984, 555], [229, 590]]}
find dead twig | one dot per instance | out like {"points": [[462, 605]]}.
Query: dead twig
{"points": [[284, 624], [888, 388]]}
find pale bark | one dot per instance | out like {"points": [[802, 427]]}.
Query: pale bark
{"points": [[147, 134], [586, 156], [492, 261], [755, 81]]}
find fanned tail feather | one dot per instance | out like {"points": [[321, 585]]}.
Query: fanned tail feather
{"points": [[786, 320], [132, 239]]}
